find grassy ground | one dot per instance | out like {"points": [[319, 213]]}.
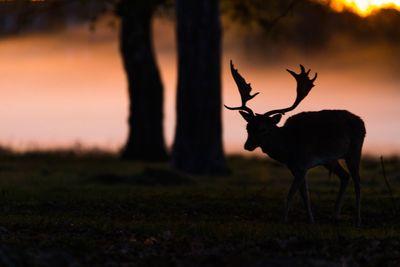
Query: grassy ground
{"points": [[68, 210]]}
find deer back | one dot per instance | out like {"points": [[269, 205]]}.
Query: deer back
{"points": [[318, 136]]}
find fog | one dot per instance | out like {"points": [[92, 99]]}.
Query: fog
{"points": [[67, 88]]}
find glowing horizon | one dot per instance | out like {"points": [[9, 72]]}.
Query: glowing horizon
{"points": [[68, 89], [363, 8]]}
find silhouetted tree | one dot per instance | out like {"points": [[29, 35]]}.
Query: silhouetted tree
{"points": [[22, 16], [145, 139], [198, 145]]}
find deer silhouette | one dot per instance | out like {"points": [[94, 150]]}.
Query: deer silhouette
{"points": [[306, 140]]}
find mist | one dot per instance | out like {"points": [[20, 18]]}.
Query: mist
{"points": [[67, 88]]}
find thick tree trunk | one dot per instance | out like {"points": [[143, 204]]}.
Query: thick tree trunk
{"points": [[198, 145], [145, 139]]}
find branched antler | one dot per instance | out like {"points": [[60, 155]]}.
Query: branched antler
{"points": [[244, 90], [304, 86]]}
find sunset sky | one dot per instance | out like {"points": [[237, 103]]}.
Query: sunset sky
{"points": [[66, 87], [362, 7]]}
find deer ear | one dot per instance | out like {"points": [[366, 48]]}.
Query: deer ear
{"points": [[276, 118], [246, 116]]}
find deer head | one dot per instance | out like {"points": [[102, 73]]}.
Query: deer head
{"points": [[258, 125]]}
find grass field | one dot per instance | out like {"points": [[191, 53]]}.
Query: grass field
{"points": [[94, 210]]}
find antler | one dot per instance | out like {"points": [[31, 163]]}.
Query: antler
{"points": [[244, 90], [304, 86]]}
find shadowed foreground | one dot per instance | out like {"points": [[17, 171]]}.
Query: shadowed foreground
{"points": [[63, 210]]}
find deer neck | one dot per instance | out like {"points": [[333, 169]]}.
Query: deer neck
{"points": [[274, 144]]}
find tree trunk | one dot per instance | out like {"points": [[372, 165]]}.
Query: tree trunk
{"points": [[198, 145], [146, 139]]}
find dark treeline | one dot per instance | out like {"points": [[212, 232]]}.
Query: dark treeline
{"points": [[305, 23], [309, 25], [21, 16]]}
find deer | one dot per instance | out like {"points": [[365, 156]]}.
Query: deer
{"points": [[306, 140]]}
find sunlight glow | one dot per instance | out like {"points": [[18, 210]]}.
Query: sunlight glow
{"points": [[362, 7]]}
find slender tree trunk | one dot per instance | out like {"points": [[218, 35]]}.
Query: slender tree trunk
{"points": [[145, 139], [198, 145]]}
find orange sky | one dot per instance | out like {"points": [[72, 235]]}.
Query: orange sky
{"points": [[59, 89], [362, 7]]}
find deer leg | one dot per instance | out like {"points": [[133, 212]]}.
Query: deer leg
{"points": [[305, 195], [296, 184], [344, 177], [353, 164]]}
